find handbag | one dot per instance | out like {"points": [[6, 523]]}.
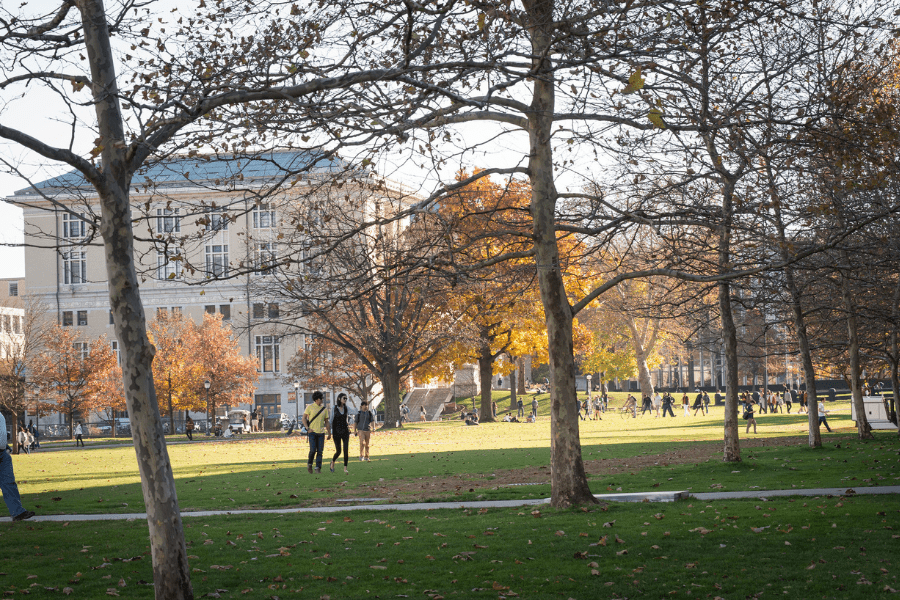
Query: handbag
{"points": [[316, 416]]}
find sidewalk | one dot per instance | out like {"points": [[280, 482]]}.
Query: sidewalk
{"points": [[633, 497]]}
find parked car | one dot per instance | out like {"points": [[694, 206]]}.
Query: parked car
{"points": [[239, 421], [277, 421], [123, 426]]}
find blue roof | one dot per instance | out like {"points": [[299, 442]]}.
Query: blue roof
{"points": [[209, 169]]}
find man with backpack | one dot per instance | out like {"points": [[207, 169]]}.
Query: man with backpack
{"points": [[316, 420]]}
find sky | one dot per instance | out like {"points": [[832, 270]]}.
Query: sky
{"points": [[12, 259]]}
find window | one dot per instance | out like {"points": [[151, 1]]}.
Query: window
{"points": [[82, 318], [210, 309], [112, 321], [267, 353], [217, 219], [6, 324], [74, 267], [18, 323], [13, 288], [261, 311], [168, 220], [264, 257], [258, 310], [225, 310], [263, 216], [82, 349], [73, 226], [273, 311], [217, 260], [114, 344], [67, 318], [167, 267]]}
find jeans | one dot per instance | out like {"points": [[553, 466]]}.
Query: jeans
{"points": [[338, 441], [8, 485], [316, 448], [824, 421]]}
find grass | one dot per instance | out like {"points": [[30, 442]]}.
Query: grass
{"points": [[269, 471], [802, 548]]}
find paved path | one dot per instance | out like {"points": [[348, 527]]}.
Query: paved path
{"points": [[634, 497]]}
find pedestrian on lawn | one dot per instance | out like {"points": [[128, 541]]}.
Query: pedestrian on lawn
{"points": [[823, 420], [705, 403], [254, 421], [598, 404], [686, 405], [667, 402], [788, 400], [534, 407], [315, 418], [23, 440], [646, 405], [189, 428], [422, 415], [698, 403], [750, 417], [79, 431], [363, 427], [340, 431], [657, 403], [8, 479], [494, 408]]}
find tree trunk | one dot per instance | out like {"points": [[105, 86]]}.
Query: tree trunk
{"points": [[862, 424], [171, 574], [568, 480], [390, 382], [520, 371], [485, 372], [513, 383], [732, 451], [809, 373]]}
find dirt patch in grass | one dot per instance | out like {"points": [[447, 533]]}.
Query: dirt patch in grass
{"points": [[446, 487]]}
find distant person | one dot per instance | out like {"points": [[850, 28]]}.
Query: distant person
{"points": [[750, 417], [245, 426], [788, 400], [404, 414], [756, 396], [37, 437], [706, 403], [22, 438], [8, 479], [363, 426], [667, 402], [79, 431], [598, 404], [823, 419], [686, 404], [254, 421], [422, 415], [315, 419], [698, 403], [534, 407], [189, 428], [521, 407], [802, 399], [657, 403], [646, 405], [340, 430], [494, 409]]}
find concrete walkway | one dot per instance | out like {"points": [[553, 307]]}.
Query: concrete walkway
{"points": [[633, 497]]}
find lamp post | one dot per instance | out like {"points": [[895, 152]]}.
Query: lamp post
{"points": [[588, 377], [207, 385], [297, 401]]}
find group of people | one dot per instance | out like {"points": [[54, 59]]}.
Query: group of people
{"points": [[776, 401], [28, 438], [322, 426]]}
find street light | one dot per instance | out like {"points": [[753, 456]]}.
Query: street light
{"points": [[207, 384]]}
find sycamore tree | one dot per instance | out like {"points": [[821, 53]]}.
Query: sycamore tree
{"points": [[71, 371]]}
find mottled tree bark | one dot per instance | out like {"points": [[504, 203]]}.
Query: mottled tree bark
{"points": [[171, 574], [567, 476], [732, 451]]}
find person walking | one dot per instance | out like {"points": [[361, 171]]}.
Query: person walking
{"points": [[8, 479], [254, 421], [657, 403], [646, 405], [758, 398], [667, 402], [698, 403], [788, 400], [686, 405], [705, 403], [534, 407], [315, 418], [363, 427], [521, 407], [22, 438], [189, 428], [823, 419], [494, 409], [750, 417], [79, 431], [422, 415], [340, 431], [598, 403]]}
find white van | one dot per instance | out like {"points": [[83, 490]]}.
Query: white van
{"points": [[239, 421]]}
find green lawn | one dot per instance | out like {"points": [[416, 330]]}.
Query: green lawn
{"points": [[799, 547], [796, 548], [448, 460]]}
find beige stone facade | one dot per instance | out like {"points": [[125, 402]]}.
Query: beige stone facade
{"points": [[194, 244]]}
